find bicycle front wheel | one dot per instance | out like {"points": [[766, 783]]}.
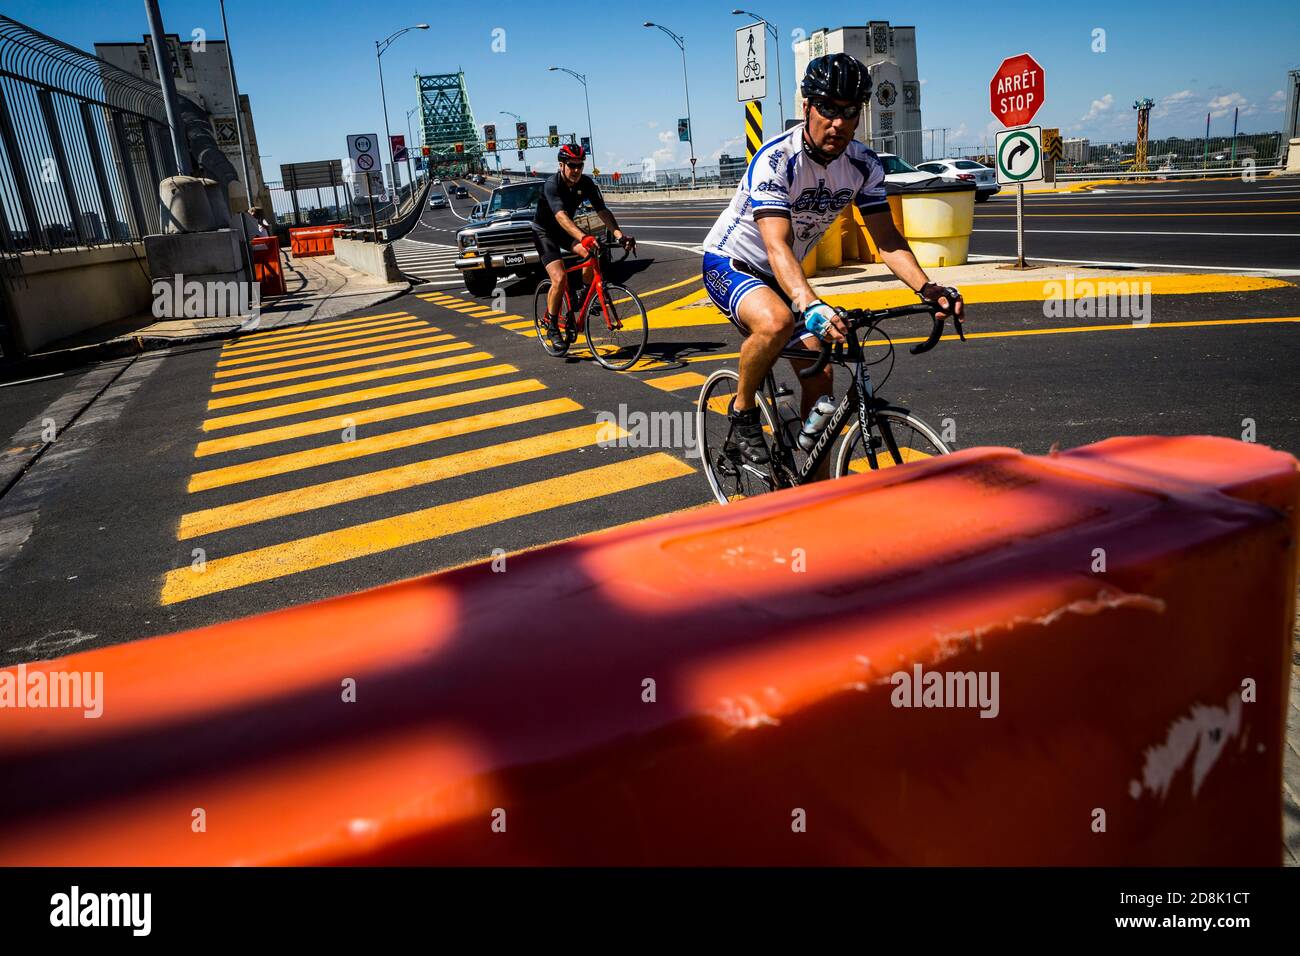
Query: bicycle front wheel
{"points": [[618, 338], [561, 343], [898, 437], [730, 477]]}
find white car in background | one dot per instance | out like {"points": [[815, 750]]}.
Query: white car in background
{"points": [[966, 170], [900, 172]]}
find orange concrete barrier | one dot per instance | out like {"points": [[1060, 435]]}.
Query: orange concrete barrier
{"points": [[311, 241], [267, 268], [750, 684]]}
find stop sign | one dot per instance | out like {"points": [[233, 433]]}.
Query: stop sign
{"points": [[1017, 90]]}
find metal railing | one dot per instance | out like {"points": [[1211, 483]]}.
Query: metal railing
{"points": [[83, 146]]}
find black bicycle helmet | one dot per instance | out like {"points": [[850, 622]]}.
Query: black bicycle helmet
{"points": [[837, 76], [572, 153]]}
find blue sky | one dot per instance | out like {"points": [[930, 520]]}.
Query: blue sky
{"points": [[310, 68]]}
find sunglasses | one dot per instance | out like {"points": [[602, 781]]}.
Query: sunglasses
{"points": [[577, 166], [831, 111]]}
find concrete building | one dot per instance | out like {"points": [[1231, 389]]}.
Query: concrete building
{"points": [[1075, 150], [203, 75], [892, 120]]}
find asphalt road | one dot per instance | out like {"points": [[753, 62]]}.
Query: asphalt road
{"points": [[427, 432]]}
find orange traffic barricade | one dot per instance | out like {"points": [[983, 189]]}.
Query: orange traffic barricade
{"points": [[311, 241], [267, 268], [985, 658]]}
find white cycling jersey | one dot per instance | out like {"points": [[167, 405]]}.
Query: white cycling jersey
{"points": [[783, 176]]}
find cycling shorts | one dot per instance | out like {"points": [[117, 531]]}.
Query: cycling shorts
{"points": [[729, 280]]}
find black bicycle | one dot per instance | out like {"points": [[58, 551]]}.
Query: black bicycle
{"points": [[894, 435]]}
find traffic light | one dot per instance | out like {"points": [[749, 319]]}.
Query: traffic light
{"points": [[460, 147], [553, 136], [425, 150], [490, 146], [490, 131], [521, 130]]}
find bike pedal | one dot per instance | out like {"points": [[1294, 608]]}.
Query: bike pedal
{"points": [[783, 391]]}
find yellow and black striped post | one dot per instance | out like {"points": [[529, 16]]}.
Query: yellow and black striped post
{"points": [[753, 128]]}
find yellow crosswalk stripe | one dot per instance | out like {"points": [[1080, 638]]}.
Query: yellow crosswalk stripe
{"points": [[503, 319], [671, 383], [322, 384], [333, 356], [384, 534], [382, 328], [383, 413], [528, 324], [270, 334], [406, 330], [357, 397], [348, 450], [399, 478], [341, 366]]}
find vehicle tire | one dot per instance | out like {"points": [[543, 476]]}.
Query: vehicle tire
{"points": [[982, 197], [617, 349], [539, 309], [728, 480], [901, 438], [480, 282]]}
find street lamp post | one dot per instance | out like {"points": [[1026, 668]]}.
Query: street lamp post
{"points": [[518, 119], [410, 141], [239, 119], [380, 47], [582, 78], [776, 42], [690, 126]]}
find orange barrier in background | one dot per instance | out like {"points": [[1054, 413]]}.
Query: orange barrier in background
{"points": [[267, 268], [725, 686], [311, 241]]}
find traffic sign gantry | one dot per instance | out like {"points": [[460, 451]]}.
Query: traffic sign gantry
{"points": [[1017, 90]]}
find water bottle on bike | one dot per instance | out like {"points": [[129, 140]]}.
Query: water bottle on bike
{"points": [[818, 416]]}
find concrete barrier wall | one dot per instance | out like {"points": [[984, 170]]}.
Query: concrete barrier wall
{"points": [[372, 258], [752, 684], [58, 294], [671, 195]]}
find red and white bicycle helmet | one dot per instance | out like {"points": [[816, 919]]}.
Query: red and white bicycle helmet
{"points": [[571, 153]]}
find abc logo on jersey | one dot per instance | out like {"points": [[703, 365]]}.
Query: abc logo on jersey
{"points": [[820, 199]]}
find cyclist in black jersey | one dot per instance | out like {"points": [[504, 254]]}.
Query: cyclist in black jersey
{"points": [[556, 232]]}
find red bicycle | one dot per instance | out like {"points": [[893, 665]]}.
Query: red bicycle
{"points": [[612, 316]]}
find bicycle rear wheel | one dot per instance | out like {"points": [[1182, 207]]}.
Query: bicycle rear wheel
{"points": [[617, 348], [730, 479], [561, 343], [898, 438]]}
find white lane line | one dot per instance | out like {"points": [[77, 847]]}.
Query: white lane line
{"points": [[1104, 264], [639, 226], [680, 246], [1103, 232], [27, 380]]}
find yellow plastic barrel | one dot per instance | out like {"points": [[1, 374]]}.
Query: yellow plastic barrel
{"points": [[937, 220]]}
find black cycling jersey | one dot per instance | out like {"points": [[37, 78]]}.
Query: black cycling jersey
{"points": [[558, 197]]}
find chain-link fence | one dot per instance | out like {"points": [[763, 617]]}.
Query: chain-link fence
{"points": [[83, 146], [1176, 154]]}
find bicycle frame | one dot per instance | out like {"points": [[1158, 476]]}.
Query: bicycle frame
{"points": [[597, 286], [859, 394]]}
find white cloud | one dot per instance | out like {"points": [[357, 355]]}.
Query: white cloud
{"points": [[727, 147], [1098, 109], [1275, 102], [923, 82], [955, 135], [1223, 105], [1179, 97], [665, 157], [652, 124]]}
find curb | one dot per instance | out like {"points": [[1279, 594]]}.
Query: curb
{"points": [[124, 346]]}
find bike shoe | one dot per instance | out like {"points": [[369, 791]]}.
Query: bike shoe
{"points": [[747, 436]]}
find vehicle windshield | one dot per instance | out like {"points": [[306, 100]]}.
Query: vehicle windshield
{"points": [[523, 196], [893, 165]]}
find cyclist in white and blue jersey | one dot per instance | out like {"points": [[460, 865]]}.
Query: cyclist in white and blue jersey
{"points": [[796, 186]]}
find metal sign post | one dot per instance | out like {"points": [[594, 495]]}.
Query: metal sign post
{"points": [[374, 225], [1018, 155]]}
